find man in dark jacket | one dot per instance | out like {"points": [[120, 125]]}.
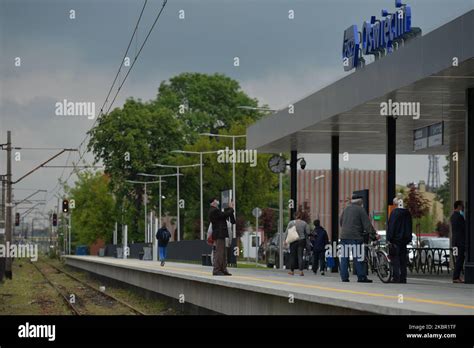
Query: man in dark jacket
{"points": [[458, 228], [163, 236], [220, 232], [399, 234], [319, 242]]}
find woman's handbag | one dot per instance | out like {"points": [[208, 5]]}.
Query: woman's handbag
{"points": [[292, 235]]}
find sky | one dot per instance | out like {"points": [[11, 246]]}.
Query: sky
{"points": [[281, 61]]}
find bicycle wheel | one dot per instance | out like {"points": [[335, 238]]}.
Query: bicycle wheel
{"points": [[384, 267]]}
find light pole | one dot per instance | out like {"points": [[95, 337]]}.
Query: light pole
{"points": [[159, 189], [234, 234], [145, 199], [178, 229], [200, 153]]}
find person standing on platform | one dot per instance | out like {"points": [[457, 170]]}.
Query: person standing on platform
{"points": [[163, 236], [319, 242], [297, 246], [399, 235], [220, 232], [458, 227], [355, 228]]}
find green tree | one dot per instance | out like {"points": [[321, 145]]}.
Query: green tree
{"points": [[205, 103], [255, 185], [94, 214], [418, 207], [130, 140]]}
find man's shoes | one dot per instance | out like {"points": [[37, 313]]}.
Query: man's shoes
{"points": [[322, 272], [162, 263], [366, 280], [301, 274], [345, 280], [227, 273], [458, 281], [218, 274], [291, 273]]}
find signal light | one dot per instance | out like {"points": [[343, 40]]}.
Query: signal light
{"points": [[17, 219], [65, 206], [55, 219]]}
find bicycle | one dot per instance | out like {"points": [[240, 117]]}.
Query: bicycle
{"points": [[378, 261]]}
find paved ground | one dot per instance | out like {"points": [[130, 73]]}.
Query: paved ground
{"points": [[422, 295]]}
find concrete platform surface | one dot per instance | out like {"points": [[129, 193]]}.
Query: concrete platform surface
{"points": [[431, 295]]}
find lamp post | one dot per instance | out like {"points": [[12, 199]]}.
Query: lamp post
{"points": [[233, 171], [177, 190], [200, 153], [159, 189], [145, 199]]}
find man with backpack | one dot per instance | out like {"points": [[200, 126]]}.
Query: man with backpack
{"points": [[163, 236]]}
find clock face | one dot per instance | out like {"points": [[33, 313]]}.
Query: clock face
{"points": [[277, 164]]}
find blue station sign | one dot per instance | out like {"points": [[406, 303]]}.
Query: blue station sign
{"points": [[377, 36]]}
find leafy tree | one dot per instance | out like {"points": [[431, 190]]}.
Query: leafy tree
{"points": [[130, 140], [94, 212], [205, 103], [418, 207], [255, 186]]}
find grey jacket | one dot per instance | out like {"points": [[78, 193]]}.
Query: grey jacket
{"points": [[355, 223], [301, 227]]}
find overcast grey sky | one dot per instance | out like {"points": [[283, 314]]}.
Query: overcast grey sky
{"points": [[281, 61]]}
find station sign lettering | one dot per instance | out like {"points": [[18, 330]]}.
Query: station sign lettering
{"points": [[378, 35]]}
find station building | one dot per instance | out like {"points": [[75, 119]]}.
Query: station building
{"points": [[435, 70]]}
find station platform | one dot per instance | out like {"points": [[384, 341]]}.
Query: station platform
{"points": [[271, 292]]}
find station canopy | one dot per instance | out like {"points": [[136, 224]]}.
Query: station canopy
{"points": [[434, 69]]}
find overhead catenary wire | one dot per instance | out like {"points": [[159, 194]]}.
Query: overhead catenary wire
{"points": [[124, 79]]}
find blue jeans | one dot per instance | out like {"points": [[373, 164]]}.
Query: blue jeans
{"points": [[162, 253], [355, 247]]}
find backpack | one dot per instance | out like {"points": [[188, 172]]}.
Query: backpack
{"points": [[163, 235]]}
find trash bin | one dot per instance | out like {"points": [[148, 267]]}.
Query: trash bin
{"points": [[147, 255], [81, 250], [206, 259]]}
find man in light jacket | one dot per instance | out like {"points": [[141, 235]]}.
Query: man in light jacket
{"points": [[355, 228]]}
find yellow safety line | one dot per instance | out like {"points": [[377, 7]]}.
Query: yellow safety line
{"points": [[364, 293]]}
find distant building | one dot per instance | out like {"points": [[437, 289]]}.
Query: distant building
{"points": [[314, 191]]}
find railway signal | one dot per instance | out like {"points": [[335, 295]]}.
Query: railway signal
{"points": [[65, 206]]}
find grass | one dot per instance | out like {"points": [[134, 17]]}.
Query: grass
{"points": [[149, 306], [28, 293]]}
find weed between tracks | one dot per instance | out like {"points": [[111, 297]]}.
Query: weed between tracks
{"points": [[29, 293]]}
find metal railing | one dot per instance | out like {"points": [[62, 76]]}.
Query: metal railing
{"points": [[429, 260]]}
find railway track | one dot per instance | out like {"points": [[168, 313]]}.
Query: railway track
{"points": [[75, 309]]}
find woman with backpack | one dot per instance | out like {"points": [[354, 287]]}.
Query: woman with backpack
{"points": [[163, 236], [297, 237]]}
